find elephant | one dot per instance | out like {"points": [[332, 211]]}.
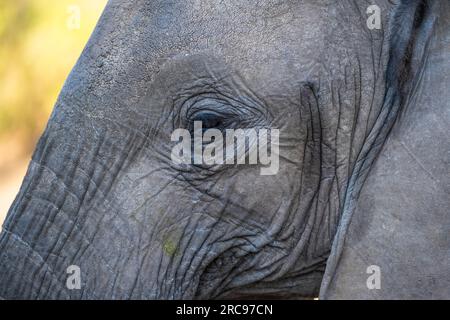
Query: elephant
{"points": [[358, 208]]}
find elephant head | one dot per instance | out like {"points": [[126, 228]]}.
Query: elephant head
{"points": [[362, 149]]}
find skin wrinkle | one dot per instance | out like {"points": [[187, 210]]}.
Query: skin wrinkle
{"points": [[209, 260], [105, 261], [236, 270], [29, 199], [80, 171], [230, 271], [141, 262], [183, 281], [42, 261], [176, 277], [169, 264], [83, 196], [225, 202], [85, 238], [319, 139]]}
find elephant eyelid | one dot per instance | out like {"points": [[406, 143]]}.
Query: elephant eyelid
{"points": [[212, 120], [213, 113], [231, 112], [213, 106]]}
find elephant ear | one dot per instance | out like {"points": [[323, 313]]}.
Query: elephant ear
{"points": [[393, 241]]}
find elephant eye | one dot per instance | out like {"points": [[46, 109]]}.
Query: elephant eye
{"points": [[210, 120]]}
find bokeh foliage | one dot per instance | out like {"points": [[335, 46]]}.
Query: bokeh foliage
{"points": [[38, 48]]}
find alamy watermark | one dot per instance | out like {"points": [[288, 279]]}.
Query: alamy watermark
{"points": [[374, 280], [239, 146], [74, 19], [73, 281], [374, 19]]}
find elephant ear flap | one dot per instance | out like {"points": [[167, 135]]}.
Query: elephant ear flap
{"points": [[393, 239]]}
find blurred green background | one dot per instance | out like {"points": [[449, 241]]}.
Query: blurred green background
{"points": [[40, 41]]}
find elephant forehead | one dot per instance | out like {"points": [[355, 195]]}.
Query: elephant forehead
{"points": [[262, 36], [273, 46], [267, 41]]}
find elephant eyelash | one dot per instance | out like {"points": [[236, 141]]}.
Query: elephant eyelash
{"points": [[218, 111], [213, 120], [213, 113]]}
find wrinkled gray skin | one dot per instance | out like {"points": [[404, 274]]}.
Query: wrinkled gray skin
{"points": [[102, 193]]}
